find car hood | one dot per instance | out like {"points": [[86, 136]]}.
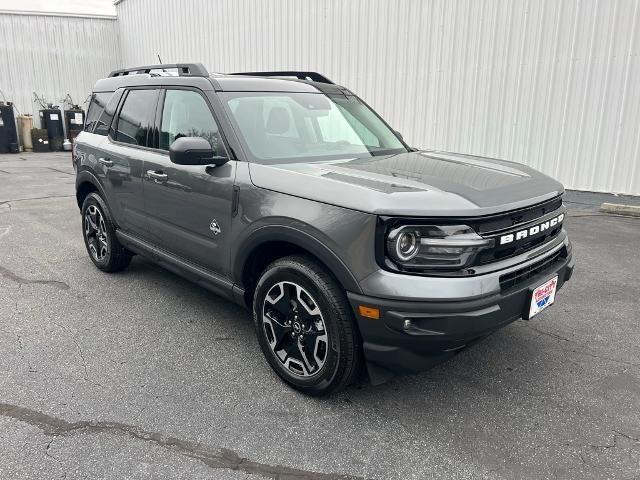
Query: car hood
{"points": [[422, 183]]}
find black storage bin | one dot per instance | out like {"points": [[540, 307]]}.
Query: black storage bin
{"points": [[51, 121], [8, 130], [40, 140], [74, 122]]}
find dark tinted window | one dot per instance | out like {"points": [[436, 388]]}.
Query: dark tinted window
{"points": [[96, 107], [135, 117], [186, 114], [104, 122]]}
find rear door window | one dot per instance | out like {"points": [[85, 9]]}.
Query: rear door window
{"points": [[136, 117]]}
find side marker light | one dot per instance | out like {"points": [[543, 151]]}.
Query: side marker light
{"points": [[369, 312]]}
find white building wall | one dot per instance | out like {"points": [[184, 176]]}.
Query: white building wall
{"points": [[54, 55], [554, 84]]}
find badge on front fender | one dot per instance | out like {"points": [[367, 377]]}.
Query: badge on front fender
{"points": [[214, 227]]}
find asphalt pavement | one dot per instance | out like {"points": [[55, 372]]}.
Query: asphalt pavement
{"points": [[141, 374]]}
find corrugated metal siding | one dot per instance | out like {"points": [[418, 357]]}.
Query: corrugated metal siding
{"points": [[53, 56], [554, 84]]}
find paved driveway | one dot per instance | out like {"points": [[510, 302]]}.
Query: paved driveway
{"points": [[144, 375]]}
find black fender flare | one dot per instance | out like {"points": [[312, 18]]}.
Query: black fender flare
{"points": [[86, 176], [296, 236]]}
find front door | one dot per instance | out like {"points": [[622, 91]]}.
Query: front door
{"points": [[188, 207]]}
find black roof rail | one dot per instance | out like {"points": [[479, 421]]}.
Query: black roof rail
{"points": [[184, 69], [313, 76]]}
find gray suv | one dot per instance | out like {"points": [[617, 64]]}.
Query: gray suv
{"points": [[287, 194]]}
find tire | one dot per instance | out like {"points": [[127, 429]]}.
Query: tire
{"points": [[99, 233], [305, 326]]}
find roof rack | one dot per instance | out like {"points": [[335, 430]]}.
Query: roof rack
{"points": [[184, 69], [313, 76]]}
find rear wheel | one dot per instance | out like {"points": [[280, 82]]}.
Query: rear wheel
{"points": [[99, 233], [305, 326]]}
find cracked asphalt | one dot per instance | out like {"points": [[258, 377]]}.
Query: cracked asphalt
{"points": [[143, 375]]}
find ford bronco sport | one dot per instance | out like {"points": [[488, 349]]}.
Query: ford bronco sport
{"points": [[287, 194]]}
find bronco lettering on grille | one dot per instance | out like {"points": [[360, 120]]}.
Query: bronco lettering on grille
{"points": [[528, 232]]}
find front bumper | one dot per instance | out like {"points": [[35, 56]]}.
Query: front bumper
{"points": [[439, 329]]}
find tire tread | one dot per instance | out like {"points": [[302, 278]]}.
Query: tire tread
{"points": [[120, 257], [349, 367]]}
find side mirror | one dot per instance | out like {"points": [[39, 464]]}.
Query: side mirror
{"points": [[194, 151]]}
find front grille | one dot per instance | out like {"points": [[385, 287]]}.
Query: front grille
{"points": [[518, 221], [502, 252], [509, 280], [504, 221]]}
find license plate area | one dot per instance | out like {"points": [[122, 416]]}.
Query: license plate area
{"points": [[541, 298]]}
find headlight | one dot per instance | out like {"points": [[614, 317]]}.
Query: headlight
{"points": [[434, 247], [406, 246]]}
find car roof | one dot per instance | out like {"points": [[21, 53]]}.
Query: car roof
{"points": [[111, 84], [221, 82], [249, 83]]}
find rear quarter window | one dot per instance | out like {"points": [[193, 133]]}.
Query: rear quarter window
{"points": [[104, 122], [96, 108]]}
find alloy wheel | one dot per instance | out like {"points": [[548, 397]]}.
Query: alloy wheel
{"points": [[95, 232], [295, 329]]}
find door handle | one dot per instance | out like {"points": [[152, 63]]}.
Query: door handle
{"points": [[106, 162], [158, 177]]}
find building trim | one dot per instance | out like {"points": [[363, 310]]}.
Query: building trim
{"points": [[58, 14]]}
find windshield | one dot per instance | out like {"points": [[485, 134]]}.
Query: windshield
{"points": [[281, 126]]}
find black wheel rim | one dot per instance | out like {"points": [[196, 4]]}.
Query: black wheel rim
{"points": [[295, 329], [95, 232]]}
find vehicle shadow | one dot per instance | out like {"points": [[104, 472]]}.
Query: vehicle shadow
{"points": [[479, 367], [519, 390]]}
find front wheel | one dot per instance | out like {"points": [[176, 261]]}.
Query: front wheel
{"points": [[305, 326]]}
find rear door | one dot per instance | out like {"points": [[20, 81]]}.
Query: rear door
{"points": [[188, 207], [122, 162]]}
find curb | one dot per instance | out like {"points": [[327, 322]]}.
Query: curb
{"points": [[619, 209]]}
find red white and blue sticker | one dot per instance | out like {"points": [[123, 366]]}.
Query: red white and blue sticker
{"points": [[543, 296]]}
